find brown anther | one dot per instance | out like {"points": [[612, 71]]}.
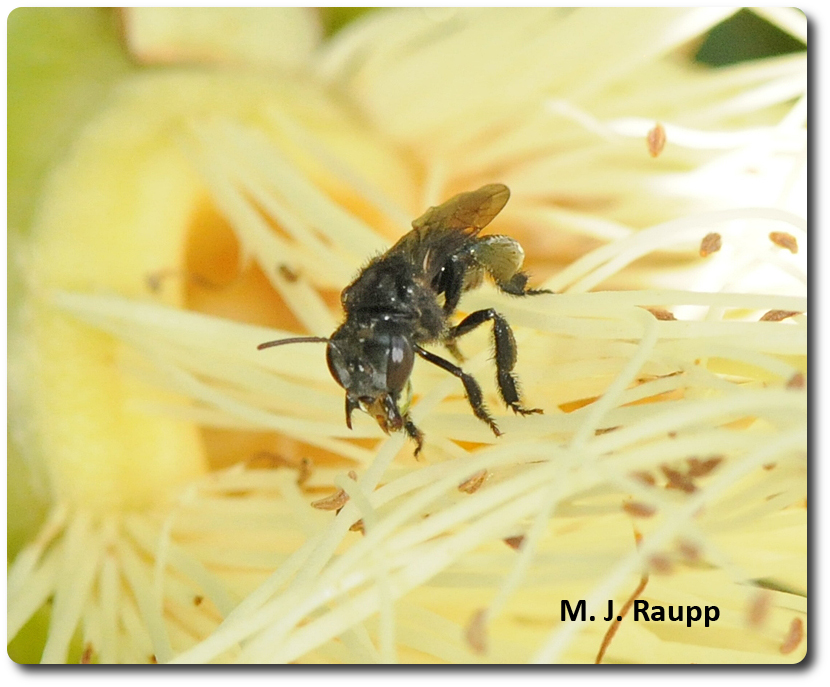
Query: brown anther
{"points": [[785, 240], [701, 468], [662, 314], [86, 656], [677, 480], [758, 609], [638, 510], [794, 636], [358, 527], [153, 658], [778, 315], [605, 430], [476, 633], [197, 600], [796, 381], [644, 478], [656, 140], [689, 550], [711, 243], [334, 502], [337, 500], [514, 542], [287, 273], [304, 471], [474, 482], [153, 281], [660, 564]]}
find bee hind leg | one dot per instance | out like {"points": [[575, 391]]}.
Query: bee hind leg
{"points": [[505, 345], [502, 257], [517, 286]]}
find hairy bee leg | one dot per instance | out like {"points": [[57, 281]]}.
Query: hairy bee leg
{"points": [[502, 257], [452, 347], [414, 433], [505, 345], [474, 395], [451, 283], [517, 286]]}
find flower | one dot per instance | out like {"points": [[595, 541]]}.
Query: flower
{"points": [[205, 206]]}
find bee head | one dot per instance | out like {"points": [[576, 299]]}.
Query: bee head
{"points": [[373, 364]]}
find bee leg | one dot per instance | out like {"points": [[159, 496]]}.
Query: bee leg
{"points": [[452, 347], [505, 355], [414, 433], [474, 395], [502, 257], [517, 286], [451, 283]]}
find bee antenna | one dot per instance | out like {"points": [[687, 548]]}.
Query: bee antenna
{"points": [[296, 339]]}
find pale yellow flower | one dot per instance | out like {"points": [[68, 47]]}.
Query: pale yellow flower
{"points": [[206, 209]]}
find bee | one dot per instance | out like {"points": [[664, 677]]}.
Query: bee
{"points": [[405, 299]]}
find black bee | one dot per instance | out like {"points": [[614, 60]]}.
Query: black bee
{"points": [[405, 298]]}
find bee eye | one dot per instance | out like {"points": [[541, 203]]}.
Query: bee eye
{"points": [[337, 366], [399, 363]]}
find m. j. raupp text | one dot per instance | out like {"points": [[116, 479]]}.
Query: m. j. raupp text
{"points": [[643, 612]]}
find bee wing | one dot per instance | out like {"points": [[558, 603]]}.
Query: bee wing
{"points": [[444, 229], [467, 212]]}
